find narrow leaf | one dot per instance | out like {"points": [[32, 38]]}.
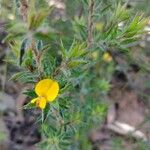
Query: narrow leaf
{"points": [[22, 50]]}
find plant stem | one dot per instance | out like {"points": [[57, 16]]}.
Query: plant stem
{"points": [[42, 116], [24, 9], [24, 12], [90, 23]]}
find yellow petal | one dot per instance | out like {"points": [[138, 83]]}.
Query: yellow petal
{"points": [[41, 103], [52, 93], [43, 86], [34, 100], [107, 57]]}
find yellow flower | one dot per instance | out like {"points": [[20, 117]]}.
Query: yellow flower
{"points": [[47, 90], [107, 57], [99, 26]]}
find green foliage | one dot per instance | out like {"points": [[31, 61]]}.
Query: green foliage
{"points": [[73, 56]]}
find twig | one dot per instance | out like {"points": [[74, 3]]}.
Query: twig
{"points": [[24, 12], [80, 11], [36, 55], [90, 23], [24, 9]]}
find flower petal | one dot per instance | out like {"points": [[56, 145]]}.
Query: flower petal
{"points": [[52, 93], [34, 100], [41, 103], [43, 86], [107, 57]]}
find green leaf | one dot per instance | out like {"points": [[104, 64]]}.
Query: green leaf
{"points": [[48, 63], [22, 50], [85, 2], [25, 77], [16, 76], [76, 62], [30, 93], [35, 19], [76, 50], [39, 45], [63, 50]]}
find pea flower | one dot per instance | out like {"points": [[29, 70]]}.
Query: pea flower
{"points": [[47, 91], [107, 57]]}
